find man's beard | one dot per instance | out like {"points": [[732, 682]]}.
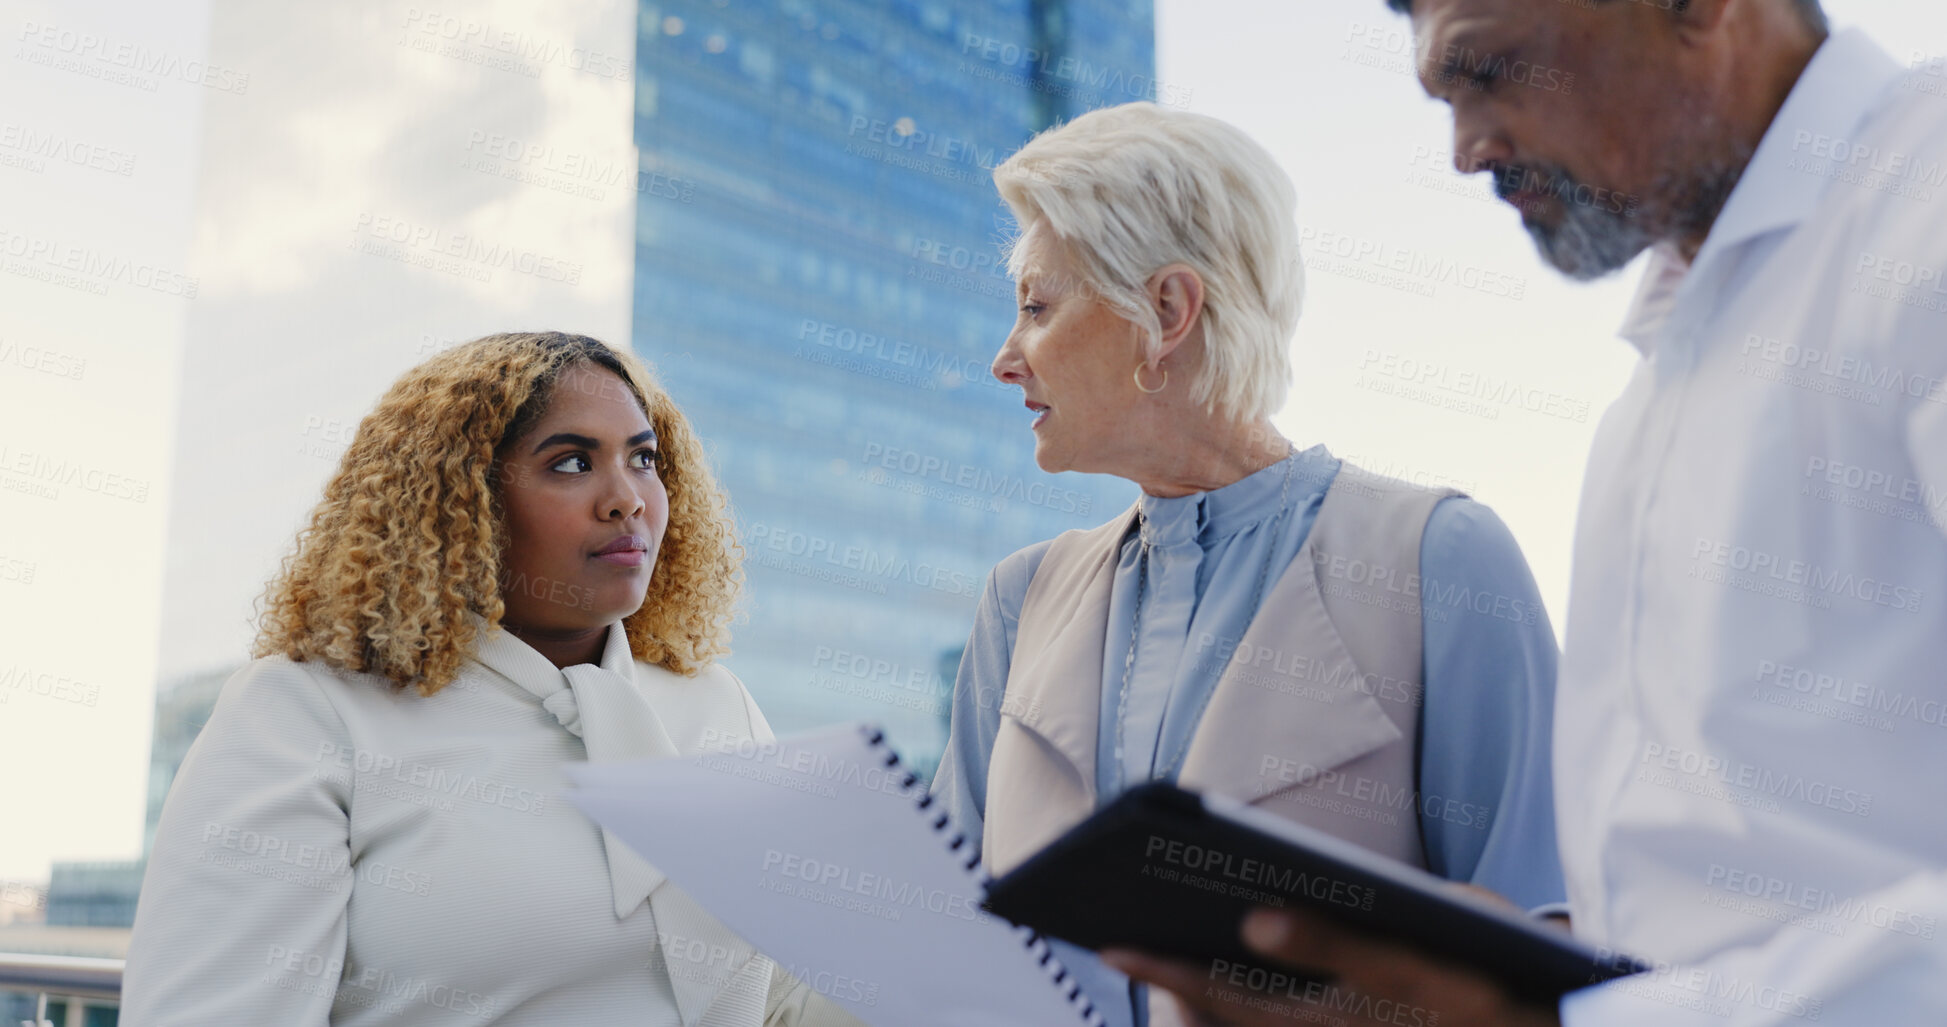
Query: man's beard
{"points": [[1592, 240], [1588, 242]]}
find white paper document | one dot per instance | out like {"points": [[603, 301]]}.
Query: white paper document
{"points": [[815, 849]]}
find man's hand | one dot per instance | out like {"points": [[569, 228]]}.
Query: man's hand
{"points": [[1373, 983]]}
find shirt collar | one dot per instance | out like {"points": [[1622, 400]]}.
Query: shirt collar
{"points": [[1656, 296], [619, 724], [499, 650], [1831, 98], [1207, 516]]}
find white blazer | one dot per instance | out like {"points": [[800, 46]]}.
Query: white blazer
{"points": [[334, 851]]}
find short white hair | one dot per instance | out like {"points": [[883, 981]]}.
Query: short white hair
{"points": [[1134, 188]]}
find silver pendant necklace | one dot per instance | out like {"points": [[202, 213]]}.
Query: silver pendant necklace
{"points": [[1135, 632]]}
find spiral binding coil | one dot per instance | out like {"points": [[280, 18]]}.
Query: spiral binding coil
{"points": [[942, 824]]}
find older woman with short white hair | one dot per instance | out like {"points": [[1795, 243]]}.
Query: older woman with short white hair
{"points": [[1354, 653]]}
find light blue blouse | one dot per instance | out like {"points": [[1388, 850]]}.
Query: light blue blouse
{"points": [[1489, 671]]}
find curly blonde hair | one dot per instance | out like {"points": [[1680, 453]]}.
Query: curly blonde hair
{"points": [[408, 538]]}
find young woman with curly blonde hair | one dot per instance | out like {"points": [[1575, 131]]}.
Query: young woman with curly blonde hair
{"points": [[522, 561]]}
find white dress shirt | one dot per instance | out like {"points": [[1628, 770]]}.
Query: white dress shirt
{"points": [[336, 851], [1751, 754]]}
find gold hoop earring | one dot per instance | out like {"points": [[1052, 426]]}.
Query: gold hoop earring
{"points": [[1139, 381]]}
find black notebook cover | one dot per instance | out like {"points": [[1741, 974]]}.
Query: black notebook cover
{"points": [[1174, 873]]}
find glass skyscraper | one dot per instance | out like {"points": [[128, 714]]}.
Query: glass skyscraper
{"points": [[819, 284]]}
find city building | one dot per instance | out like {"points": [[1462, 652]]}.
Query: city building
{"points": [[819, 282], [103, 893]]}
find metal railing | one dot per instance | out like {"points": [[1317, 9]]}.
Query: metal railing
{"points": [[84, 978]]}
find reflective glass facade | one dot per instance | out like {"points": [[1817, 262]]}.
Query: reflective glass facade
{"points": [[819, 284]]}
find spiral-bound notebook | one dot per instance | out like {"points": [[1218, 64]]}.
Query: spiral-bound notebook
{"points": [[828, 855]]}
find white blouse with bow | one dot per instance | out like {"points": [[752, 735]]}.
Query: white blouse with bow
{"points": [[334, 851]]}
